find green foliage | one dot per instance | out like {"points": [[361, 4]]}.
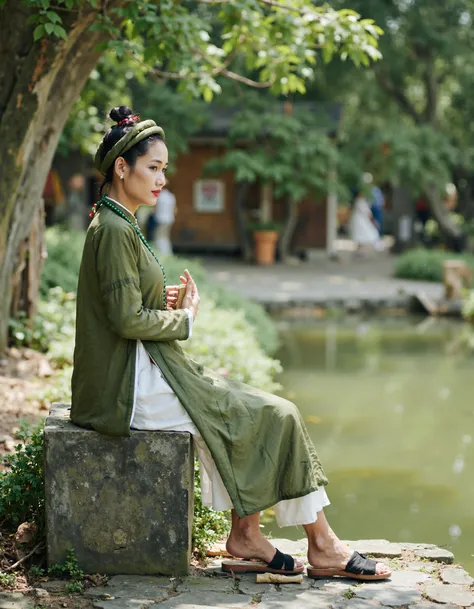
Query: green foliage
{"points": [[208, 526], [224, 298], [7, 580], [61, 267], [292, 152], [22, 484], [426, 265], [198, 45], [231, 347], [410, 118], [468, 306], [52, 329], [36, 572], [69, 569]]}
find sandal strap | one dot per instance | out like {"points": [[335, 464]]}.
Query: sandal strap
{"points": [[282, 562], [360, 565]]}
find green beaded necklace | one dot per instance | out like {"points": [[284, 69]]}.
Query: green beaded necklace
{"points": [[136, 228]]}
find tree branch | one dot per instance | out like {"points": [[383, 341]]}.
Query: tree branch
{"points": [[398, 95], [222, 70], [22, 560], [431, 93], [268, 2]]}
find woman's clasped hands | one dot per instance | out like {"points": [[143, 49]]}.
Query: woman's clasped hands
{"points": [[191, 297]]}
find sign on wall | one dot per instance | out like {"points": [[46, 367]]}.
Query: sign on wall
{"points": [[208, 196]]}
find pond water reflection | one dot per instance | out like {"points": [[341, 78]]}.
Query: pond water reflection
{"points": [[389, 406]]}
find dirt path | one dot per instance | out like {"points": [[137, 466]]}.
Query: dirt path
{"points": [[23, 372]]}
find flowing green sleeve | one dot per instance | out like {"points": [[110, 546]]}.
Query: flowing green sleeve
{"points": [[117, 263]]}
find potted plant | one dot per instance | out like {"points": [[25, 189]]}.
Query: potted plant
{"points": [[265, 236]]}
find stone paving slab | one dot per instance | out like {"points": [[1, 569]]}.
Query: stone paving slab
{"points": [[380, 548], [442, 593], [436, 554], [209, 600], [406, 579], [428, 605], [415, 585], [390, 596], [321, 282], [456, 576], [16, 600], [307, 599], [288, 546]]}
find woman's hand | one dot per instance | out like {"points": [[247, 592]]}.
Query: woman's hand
{"points": [[191, 297], [171, 296]]}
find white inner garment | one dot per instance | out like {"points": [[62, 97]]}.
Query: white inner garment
{"points": [[156, 407]]}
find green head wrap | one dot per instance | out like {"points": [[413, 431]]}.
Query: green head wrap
{"points": [[138, 132]]}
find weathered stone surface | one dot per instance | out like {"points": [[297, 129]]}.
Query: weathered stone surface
{"points": [[436, 554], [15, 600], [123, 504], [355, 603], [306, 599], [207, 584], [40, 593], [129, 603], [295, 548], [408, 579], [427, 605], [420, 566], [417, 546], [54, 585], [376, 547], [440, 593], [246, 583], [128, 586], [209, 600], [392, 597], [456, 576], [335, 585]]}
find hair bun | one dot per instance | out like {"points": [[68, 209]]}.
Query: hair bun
{"points": [[118, 113]]}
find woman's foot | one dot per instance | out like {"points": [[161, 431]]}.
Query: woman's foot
{"points": [[329, 552], [249, 543]]}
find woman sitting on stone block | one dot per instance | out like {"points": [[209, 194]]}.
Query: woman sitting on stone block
{"points": [[130, 372]]}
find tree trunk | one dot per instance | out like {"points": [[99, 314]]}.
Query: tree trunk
{"points": [[245, 244], [40, 82], [26, 278], [440, 213], [287, 233]]}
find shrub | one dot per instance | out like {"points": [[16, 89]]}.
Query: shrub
{"points": [[208, 526], [225, 340], [61, 267], [52, 329], [22, 483], [468, 306], [255, 314], [426, 265], [69, 569]]}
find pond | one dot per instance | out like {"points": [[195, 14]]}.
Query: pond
{"points": [[389, 405]]}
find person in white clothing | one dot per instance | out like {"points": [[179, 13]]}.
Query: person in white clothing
{"points": [[363, 230], [165, 214]]}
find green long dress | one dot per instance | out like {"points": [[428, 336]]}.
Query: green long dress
{"points": [[259, 441]]}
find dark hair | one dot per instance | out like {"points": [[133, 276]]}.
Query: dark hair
{"points": [[116, 132]]}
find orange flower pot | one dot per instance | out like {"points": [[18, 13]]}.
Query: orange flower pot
{"points": [[265, 246]]}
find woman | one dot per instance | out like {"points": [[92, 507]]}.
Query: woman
{"points": [[130, 372], [363, 229]]}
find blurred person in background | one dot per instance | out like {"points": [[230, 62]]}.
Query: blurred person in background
{"points": [[165, 214]]}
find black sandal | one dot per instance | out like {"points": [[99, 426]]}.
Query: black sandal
{"points": [[358, 567], [283, 564]]}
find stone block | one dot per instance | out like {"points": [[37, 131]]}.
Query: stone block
{"points": [[125, 505]]}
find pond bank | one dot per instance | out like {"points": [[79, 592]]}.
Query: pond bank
{"points": [[422, 576], [349, 284]]}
